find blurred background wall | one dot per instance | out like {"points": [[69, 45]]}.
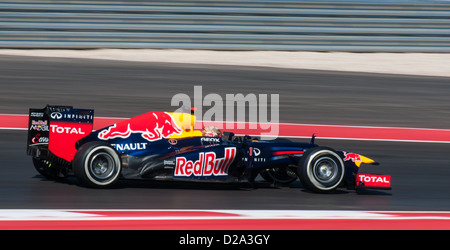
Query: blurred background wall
{"points": [[358, 25]]}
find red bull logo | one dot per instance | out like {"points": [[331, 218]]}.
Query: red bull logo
{"points": [[352, 156], [206, 165], [152, 126]]}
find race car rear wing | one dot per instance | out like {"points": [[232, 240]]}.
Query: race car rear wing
{"points": [[54, 130]]}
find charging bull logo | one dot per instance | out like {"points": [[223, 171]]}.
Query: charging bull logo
{"points": [[352, 156], [152, 126]]}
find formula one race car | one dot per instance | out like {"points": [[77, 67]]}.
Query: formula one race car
{"points": [[162, 145]]}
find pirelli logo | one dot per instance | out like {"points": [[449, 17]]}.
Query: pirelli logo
{"points": [[206, 165]]}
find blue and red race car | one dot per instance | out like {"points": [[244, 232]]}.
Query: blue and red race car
{"points": [[163, 145]]}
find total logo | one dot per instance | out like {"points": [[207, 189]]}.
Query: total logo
{"points": [[373, 181], [206, 165], [374, 178], [66, 130]]}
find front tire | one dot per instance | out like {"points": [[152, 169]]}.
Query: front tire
{"points": [[321, 170], [97, 164]]}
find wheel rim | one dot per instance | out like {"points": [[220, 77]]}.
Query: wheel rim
{"points": [[102, 166], [325, 170]]}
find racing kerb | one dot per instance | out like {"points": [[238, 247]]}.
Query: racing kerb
{"points": [[60, 219]]}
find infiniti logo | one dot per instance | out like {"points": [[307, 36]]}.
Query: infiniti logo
{"points": [[56, 115]]}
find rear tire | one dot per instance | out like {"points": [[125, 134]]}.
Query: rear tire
{"points": [[321, 170], [97, 164]]}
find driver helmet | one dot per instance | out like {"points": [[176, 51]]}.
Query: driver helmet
{"points": [[211, 131]]}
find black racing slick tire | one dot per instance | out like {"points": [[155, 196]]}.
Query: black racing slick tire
{"points": [[97, 164], [321, 170]]}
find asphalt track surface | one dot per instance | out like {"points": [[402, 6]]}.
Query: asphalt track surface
{"points": [[420, 171]]}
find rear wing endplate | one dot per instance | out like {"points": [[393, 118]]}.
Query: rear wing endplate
{"points": [[57, 129]]}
